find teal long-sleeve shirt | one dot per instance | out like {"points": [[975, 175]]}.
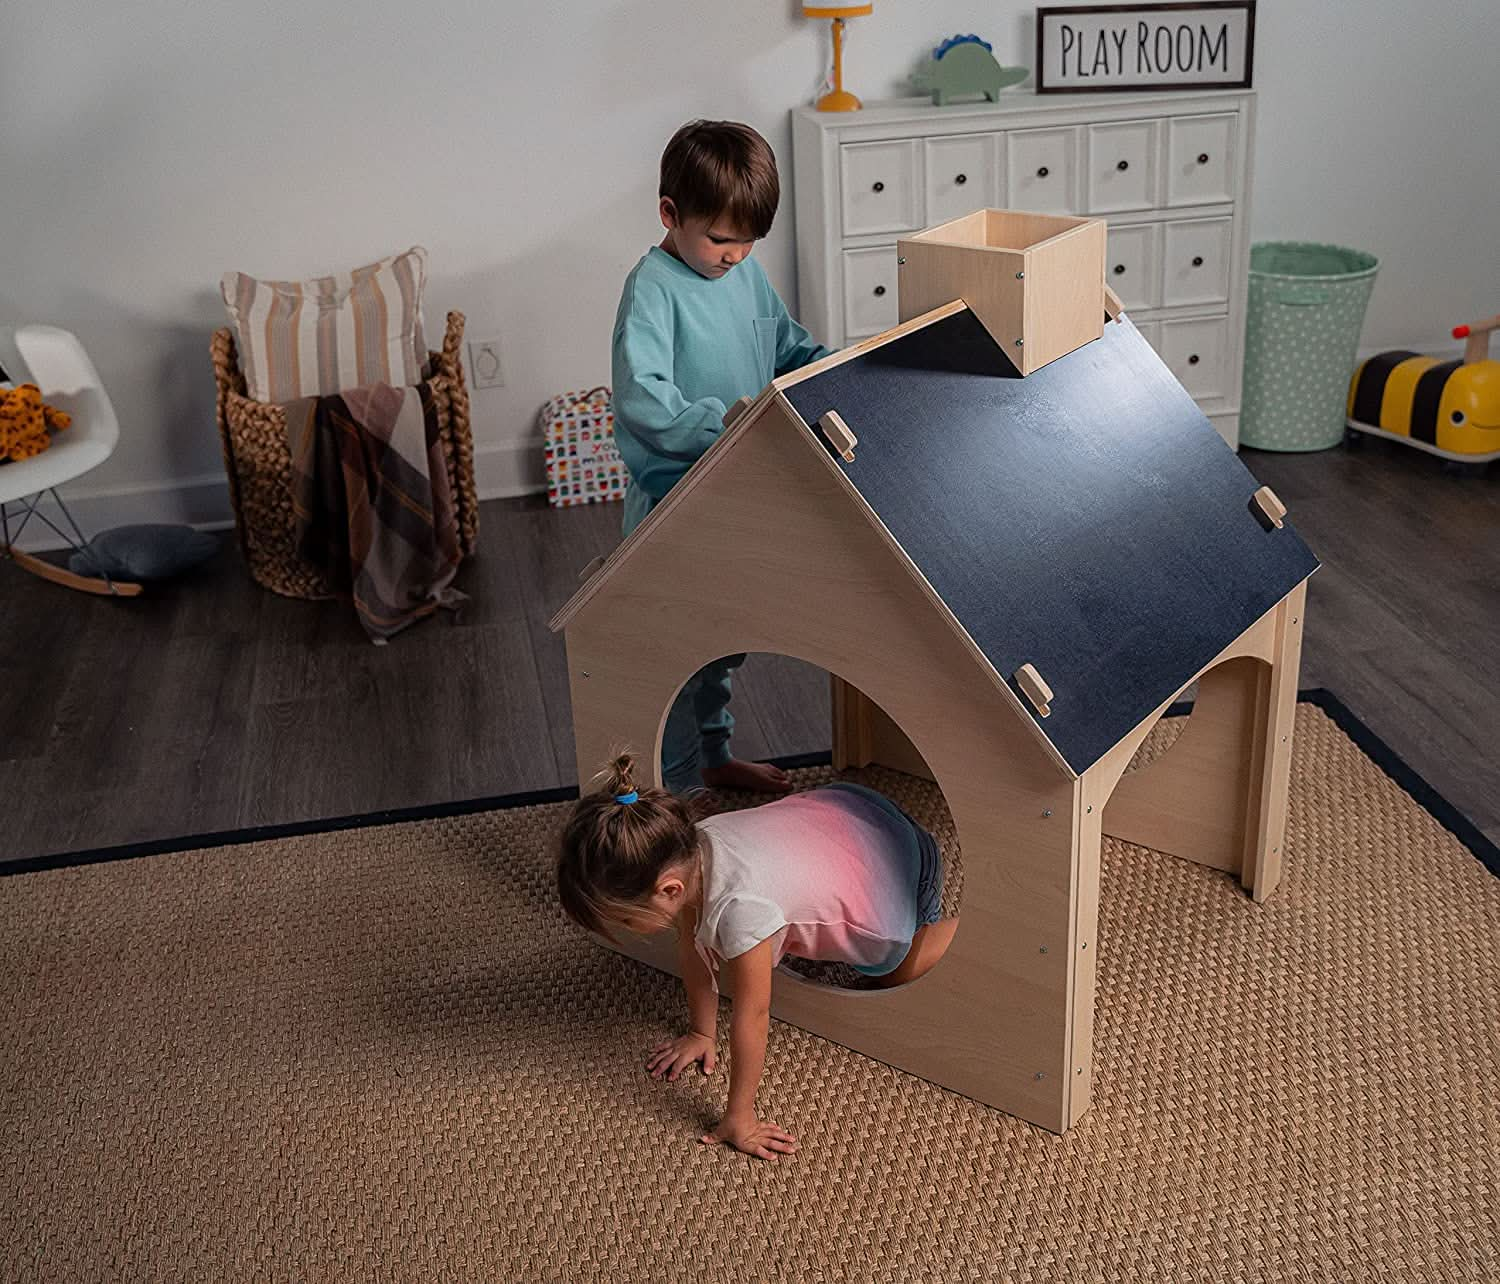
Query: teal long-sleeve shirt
{"points": [[686, 348]]}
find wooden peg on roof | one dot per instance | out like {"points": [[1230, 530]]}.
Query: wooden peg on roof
{"points": [[736, 410], [1034, 689], [1112, 305], [839, 435], [588, 571], [1270, 509]]}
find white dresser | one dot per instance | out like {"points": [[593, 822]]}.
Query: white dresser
{"points": [[1169, 172]]}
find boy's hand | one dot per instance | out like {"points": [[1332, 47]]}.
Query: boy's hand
{"points": [[752, 1136], [676, 1055]]}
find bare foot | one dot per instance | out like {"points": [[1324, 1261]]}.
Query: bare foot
{"points": [[751, 777]]}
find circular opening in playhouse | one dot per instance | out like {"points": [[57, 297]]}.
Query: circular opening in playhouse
{"points": [[818, 729]]}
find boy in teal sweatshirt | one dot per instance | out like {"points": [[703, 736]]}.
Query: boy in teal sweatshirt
{"points": [[699, 327]]}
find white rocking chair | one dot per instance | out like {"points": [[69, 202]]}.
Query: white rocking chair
{"points": [[55, 361]]}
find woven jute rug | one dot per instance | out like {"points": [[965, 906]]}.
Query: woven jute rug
{"points": [[381, 1054]]}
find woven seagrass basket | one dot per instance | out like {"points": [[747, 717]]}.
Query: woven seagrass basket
{"points": [[258, 460]]}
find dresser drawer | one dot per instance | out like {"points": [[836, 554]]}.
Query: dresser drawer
{"points": [[1132, 264], [1197, 353], [960, 175], [880, 187], [1195, 261], [1150, 332], [1200, 159], [1040, 170], [869, 291], [1121, 166]]}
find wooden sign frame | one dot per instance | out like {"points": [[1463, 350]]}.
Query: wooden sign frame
{"points": [[1162, 7]]}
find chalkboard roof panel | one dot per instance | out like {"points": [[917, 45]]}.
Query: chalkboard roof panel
{"points": [[1086, 520]]}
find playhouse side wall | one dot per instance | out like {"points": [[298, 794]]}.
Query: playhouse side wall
{"points": [[792, 564]]}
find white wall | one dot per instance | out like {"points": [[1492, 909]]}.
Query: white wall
{"points": [[150, 145], [1377, 129]]}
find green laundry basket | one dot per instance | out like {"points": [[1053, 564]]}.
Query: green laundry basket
{"points": [[1306, 309]]}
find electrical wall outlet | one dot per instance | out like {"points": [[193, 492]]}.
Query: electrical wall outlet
{"points": [[484, 364]]}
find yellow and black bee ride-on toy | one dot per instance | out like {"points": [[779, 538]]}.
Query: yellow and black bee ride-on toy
{"points": [[1447, 408]]}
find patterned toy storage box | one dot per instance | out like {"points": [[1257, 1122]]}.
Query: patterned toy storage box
{"points": [[583, 466]]}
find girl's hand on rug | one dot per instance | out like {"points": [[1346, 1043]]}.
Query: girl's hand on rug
{"points": [[752, 1136], [676, 1055]]}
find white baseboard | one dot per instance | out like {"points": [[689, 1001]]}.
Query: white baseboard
{"points": [[511, 470], [505, 471], [202, 502]]}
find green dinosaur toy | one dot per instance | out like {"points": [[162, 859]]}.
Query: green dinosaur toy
{"points": [[965, 65]]}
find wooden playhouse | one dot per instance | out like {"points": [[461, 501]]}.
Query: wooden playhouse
{"points": [[1010, 577]]}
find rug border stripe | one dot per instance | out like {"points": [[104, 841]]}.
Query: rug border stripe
{"points": [[1373, 747], [1485, 851]]}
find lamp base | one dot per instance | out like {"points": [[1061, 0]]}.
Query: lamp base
{"points": [[839, 100]]}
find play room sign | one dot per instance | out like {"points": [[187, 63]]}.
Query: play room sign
{"points": [[1097, 48]]}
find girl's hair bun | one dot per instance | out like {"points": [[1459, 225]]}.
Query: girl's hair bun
{"points": [[619, 775]]}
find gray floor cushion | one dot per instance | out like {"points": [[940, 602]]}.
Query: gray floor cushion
{"points": [[149, 552]]}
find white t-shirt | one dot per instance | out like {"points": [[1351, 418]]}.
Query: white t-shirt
{"points": [[831, 874]]}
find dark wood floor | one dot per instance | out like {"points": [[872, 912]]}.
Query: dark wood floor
{"points": [[211, 704]]}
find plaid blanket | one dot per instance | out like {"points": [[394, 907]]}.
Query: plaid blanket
{"points": [[373, 508]]}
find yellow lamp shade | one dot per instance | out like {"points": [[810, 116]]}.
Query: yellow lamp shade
{"points": [[837, 10]]}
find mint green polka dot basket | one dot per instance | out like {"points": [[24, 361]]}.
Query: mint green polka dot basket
{"points": [[1306, 309]]}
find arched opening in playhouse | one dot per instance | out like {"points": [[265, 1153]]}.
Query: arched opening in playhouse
{"points": [[820, 728], [1188, 785]]}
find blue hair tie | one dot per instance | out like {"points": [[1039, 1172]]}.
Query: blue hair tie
{"points": [[627, 799]]}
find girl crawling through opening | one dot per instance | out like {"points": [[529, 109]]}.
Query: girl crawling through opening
{"points": [[838, 873]]}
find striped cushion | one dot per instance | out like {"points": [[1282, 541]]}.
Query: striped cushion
{"points": [[312, 338]]}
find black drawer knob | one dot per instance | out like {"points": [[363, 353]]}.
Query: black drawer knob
{"points": [[879, 187], [1193, 360], [1197, 260], [879, 290], [961, 179], [1203, 158], [1119, 269], [1123, 166], [1043, 172]]}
